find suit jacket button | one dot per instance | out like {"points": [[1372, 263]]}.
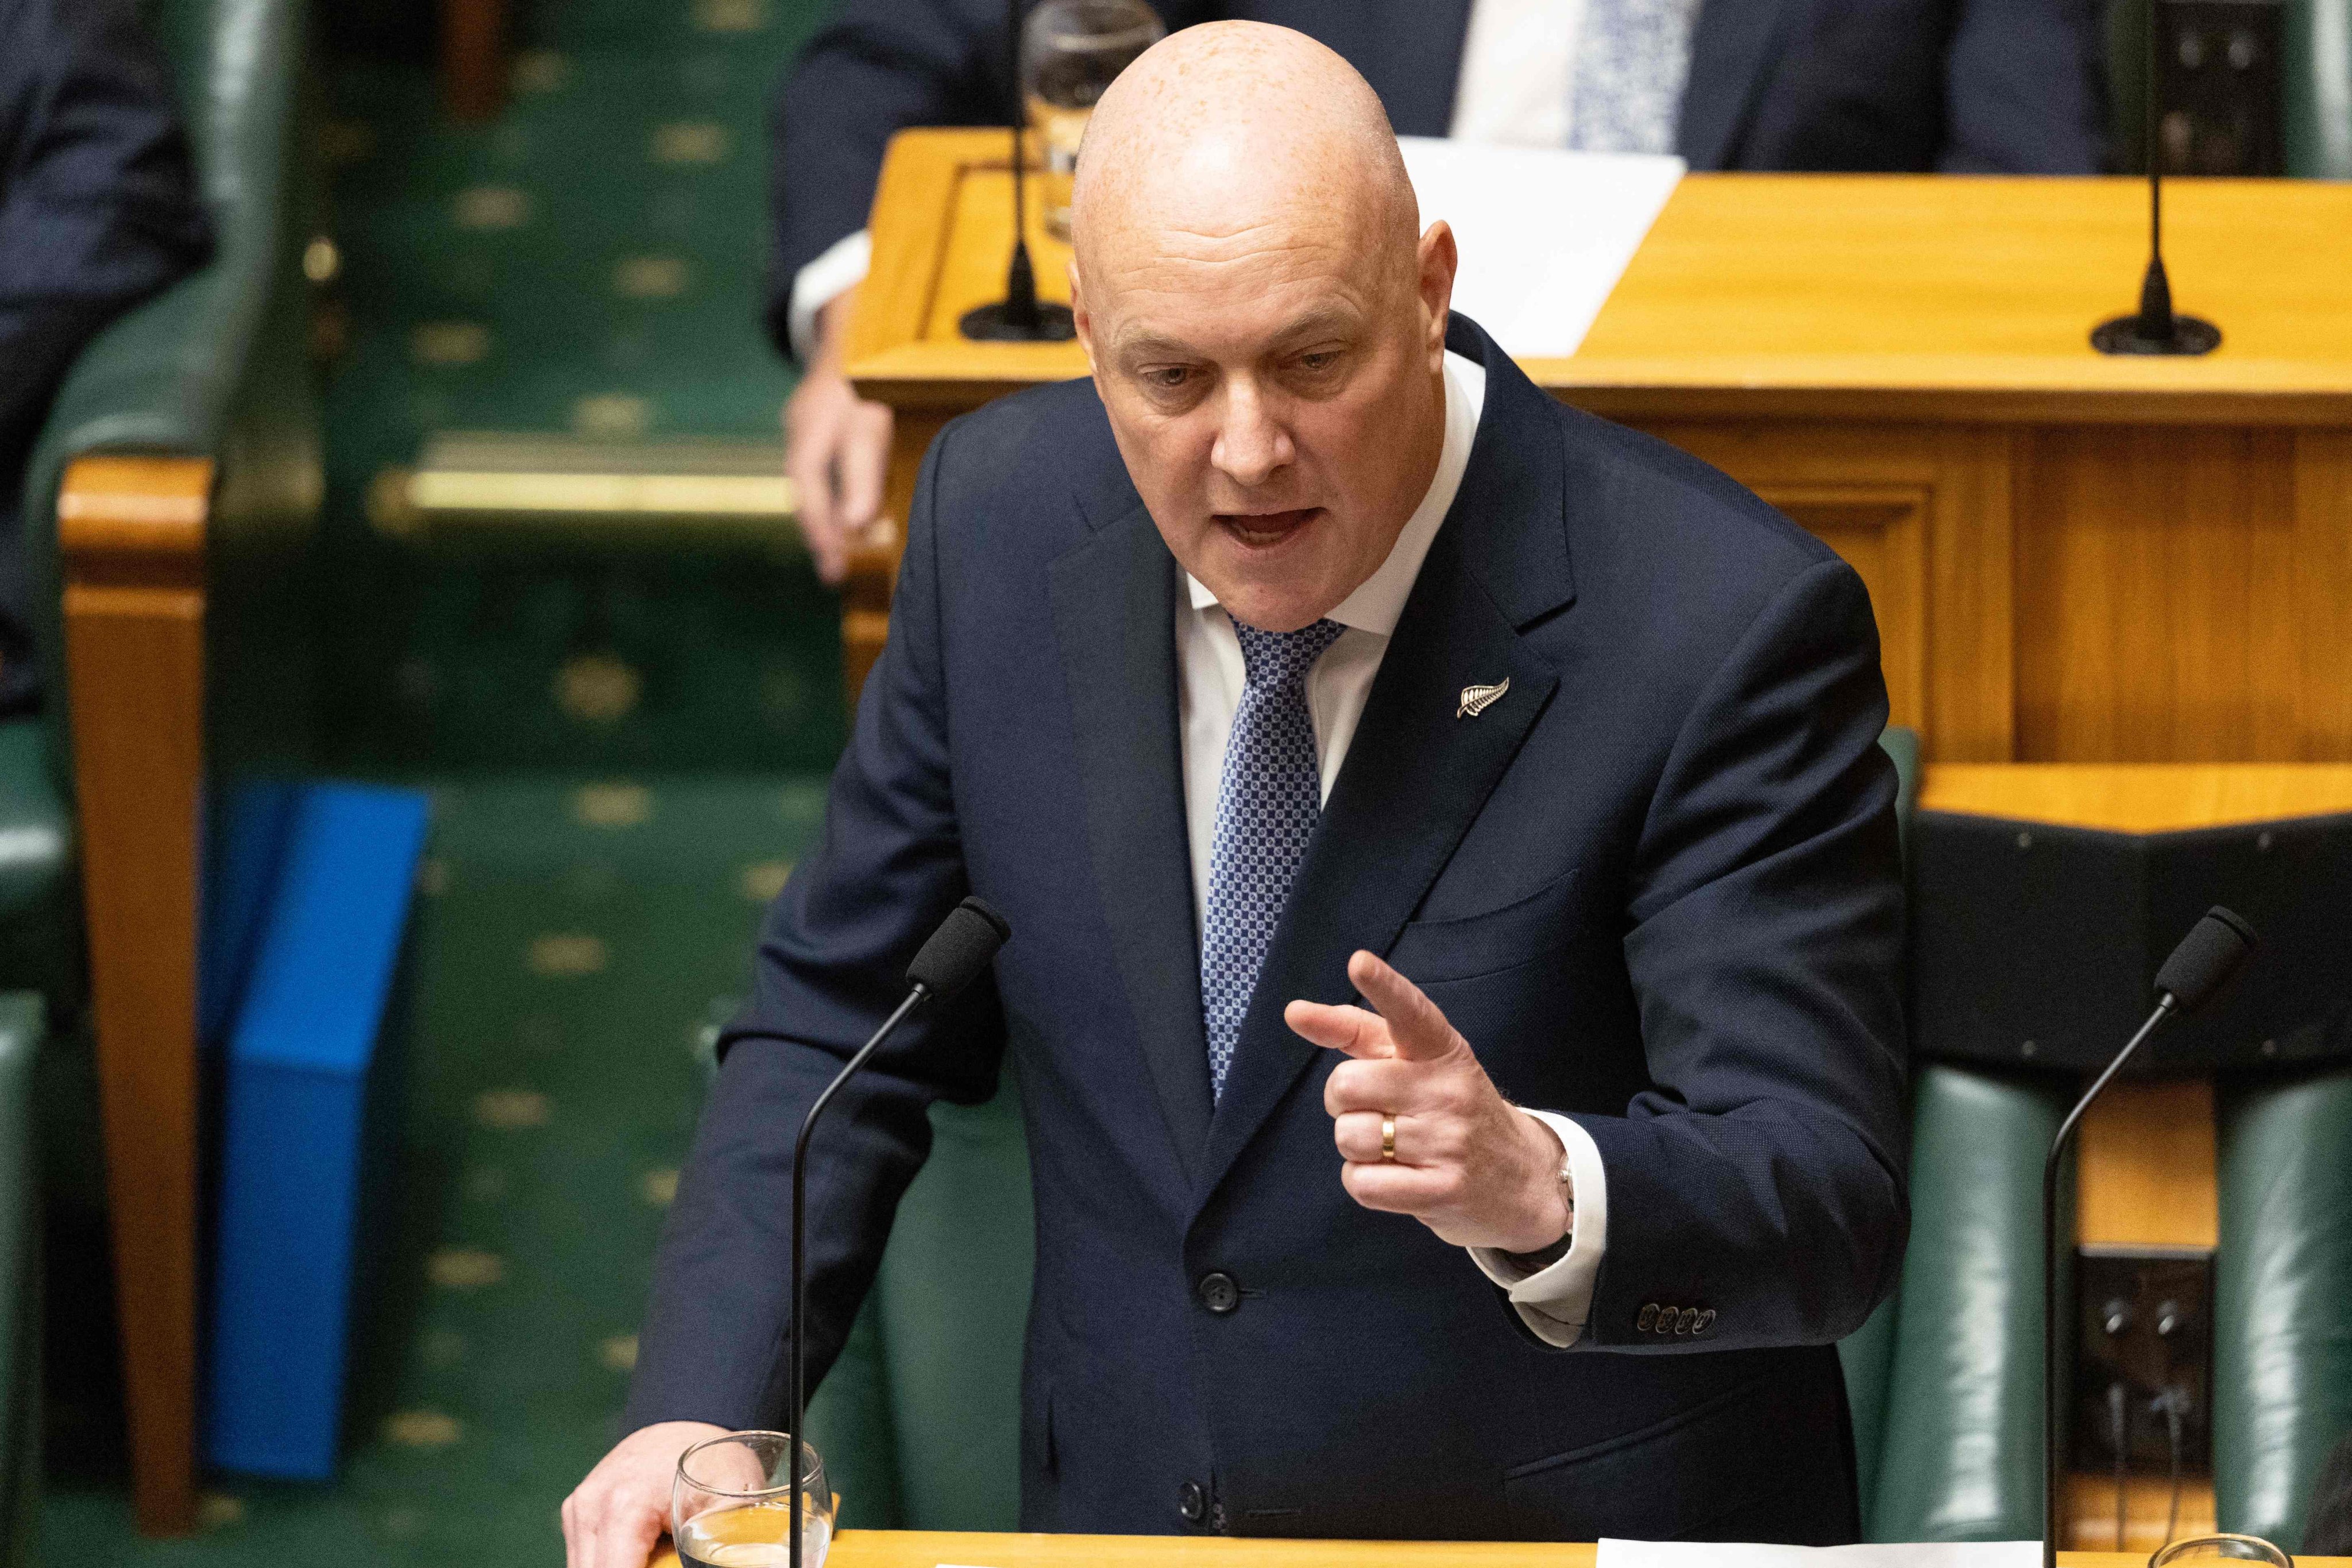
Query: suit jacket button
{"points": [[1705, 1322], [1683, 1324], [1192, 1503], [1649, 1316], [1667, 1318], [1219, 1293]]}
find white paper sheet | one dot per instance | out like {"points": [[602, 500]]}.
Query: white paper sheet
{"points": [[1707, 1554], [1544, 235]]}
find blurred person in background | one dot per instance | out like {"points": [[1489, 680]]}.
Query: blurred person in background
{"points": [[2009, 86], [98, 211]]}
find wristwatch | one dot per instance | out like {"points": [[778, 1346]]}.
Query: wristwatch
{"points": [[1544, 1257]]}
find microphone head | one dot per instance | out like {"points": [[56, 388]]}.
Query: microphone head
{"points": [[957, 952], [2206, 959]]}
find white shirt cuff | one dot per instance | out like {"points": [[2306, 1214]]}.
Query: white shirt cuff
{"points": [[1555, 1301], [841, 268]]}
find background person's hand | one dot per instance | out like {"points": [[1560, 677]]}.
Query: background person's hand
{"points": [[612, 1518], [1469, 1165], [836, 450]]}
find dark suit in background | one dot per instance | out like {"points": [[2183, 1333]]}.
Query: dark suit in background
{"points": [[1655, 885], [1973, 86], [98, 211]]}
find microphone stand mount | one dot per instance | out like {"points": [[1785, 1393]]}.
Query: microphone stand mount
{"points": [[1020, 317], [2154, 328]]}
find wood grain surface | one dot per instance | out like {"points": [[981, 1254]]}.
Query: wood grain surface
{"points": [[132, 531], [925, 1549]]}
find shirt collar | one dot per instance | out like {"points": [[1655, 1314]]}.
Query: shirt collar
{"points": [[1379, 599]]}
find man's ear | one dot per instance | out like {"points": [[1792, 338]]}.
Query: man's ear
{"points": [[1080, 314], [1439, 259]]}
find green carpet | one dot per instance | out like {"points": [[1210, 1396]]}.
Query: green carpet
{"points": [[589, 263], [574, 944]]}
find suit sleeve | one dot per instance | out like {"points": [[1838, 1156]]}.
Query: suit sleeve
{"points": [[1761, 1178], [2024, 89], [830, 965]]}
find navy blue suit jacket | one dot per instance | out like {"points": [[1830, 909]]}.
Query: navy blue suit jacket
{"points": [[1972, 85], [1655, 885]]}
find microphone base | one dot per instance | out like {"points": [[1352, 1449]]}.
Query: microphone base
{"points": [[2190, 336], [995, 323]]}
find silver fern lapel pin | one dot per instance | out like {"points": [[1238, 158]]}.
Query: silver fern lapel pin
{"points": [[1476, 700]]}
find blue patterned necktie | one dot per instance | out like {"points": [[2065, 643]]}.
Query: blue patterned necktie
{"points": [[1267, 805], [1633, 61]]}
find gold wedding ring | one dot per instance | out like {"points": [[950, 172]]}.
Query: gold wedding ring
{"points": [[1388, 1138]]}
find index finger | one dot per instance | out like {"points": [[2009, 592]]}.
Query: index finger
{"points": [[1417, 1027]]}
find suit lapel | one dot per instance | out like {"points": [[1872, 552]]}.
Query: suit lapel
{"points": [[1417, 775], [1732, 47], [1114, 619]]}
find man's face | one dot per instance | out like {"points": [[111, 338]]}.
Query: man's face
{"points": [[1274, 390]]}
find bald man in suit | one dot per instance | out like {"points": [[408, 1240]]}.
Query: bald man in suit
{"points": [[1353, 737]]}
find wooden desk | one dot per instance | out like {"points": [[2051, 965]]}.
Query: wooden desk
{"points": [[922, 1549], [2072, 558]]}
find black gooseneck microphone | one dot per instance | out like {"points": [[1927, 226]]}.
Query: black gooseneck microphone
{"points": [[2154, 328], [953, 959], [1019, 317], [2203, 963]]}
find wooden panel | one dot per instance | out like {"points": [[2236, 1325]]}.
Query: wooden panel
{"points": [[2322, 608], [929, 1549], [2148, 1500], [1922, 513], [2141, 797], [2155, 595], [133, 532], [2145, 1167]]}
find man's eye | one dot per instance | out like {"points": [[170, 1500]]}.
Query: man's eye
{"points": [[1166, 378], [1321, 359]]}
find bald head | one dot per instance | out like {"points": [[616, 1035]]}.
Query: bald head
{"points": [[1265, 325], [1235, 124]]}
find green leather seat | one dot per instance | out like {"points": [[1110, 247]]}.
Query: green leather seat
{"points": [[215, 366], [39, 923], [20, 1281], [2282, 1289]]}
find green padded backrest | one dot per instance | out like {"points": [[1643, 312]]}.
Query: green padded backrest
{"points": [[40, 927], [920, 1420], [2318, 130], [2282, 1307], [1960, 1455], [20, 1282]]}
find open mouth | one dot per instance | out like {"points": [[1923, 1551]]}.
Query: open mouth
{"points": [[1263, 530]]}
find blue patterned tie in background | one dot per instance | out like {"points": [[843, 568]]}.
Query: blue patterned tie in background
{"points": [[1632, 61], [1267, 805]]}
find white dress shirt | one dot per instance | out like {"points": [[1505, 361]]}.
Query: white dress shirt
{"points": [[1517, 76], [1555, 1301]]}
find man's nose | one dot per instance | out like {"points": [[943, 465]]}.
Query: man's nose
{"points": [[1251, 442]]}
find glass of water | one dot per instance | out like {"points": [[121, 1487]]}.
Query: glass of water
{"points": [[731, 1504], [1071, 51], [2222, 1548]]}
